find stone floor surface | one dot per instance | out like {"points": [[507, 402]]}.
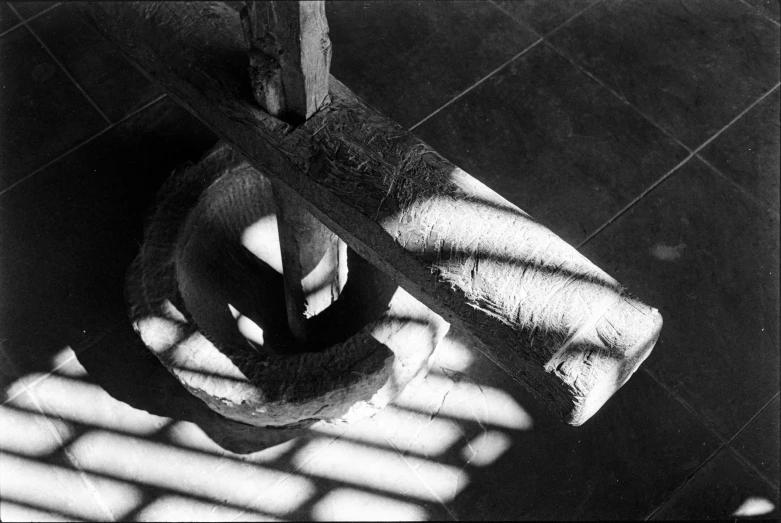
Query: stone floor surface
{"points": [[646, 134]]}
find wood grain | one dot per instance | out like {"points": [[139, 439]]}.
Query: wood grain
{"points": [[525, 298], [289, 47]]}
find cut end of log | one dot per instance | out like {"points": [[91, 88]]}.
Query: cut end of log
{"points": [[616, 357]]}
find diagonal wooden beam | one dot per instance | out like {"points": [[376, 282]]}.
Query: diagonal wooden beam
{"points": [[527, 299]]}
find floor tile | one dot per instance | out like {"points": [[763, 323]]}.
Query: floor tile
{"points": [[107, 77], [691, 66], [351, 470], [137, 463], [747, 152], [408, 58], [120, 365], [769, 8], [28, 9], [543, 16], [34, 488], [37, 477], [759, 442], [707, 257], [517, 461], [724, 489], [7, 17], [71, 231], [554, 142], [43, 113]]}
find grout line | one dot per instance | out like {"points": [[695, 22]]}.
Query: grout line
{"points": [[618, 95], [528, 48], [81, 348], [72, 459], [63, 68], [483, 79], [740, 455], [84, 142], [552, 31], [685, 404], [517, 22], [33, 17], [414, 471], [726, 443], [634, 201], [691, 155], [760, 12], [745, 193]]}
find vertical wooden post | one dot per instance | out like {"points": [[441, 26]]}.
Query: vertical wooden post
{"points": [[290, 57]]}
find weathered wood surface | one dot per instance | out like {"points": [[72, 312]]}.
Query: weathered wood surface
{"points": [[194, 264], [526, 298], [289, 47]]}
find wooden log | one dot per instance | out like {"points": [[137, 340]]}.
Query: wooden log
{"points": [[527, 299], [290, 48]]}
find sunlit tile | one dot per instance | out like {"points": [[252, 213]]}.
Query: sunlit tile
{"points": [[22, 385], [407, 431], [453, 353], [65, 363], [205, 476], [444, 482], [49, 488], [10, 511], [88, 404], [754, 506], [31, 434], [467, 401], [118, 496], [381, 471], [346, 504], [181, 508], [486, 448]]}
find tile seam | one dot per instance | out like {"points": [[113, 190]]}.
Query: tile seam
{"points": [[71, 459], [81, 144], [407, 464], [476, 84], [739, 187], [30, 386], [760, 12], [63, 68], [685, 404], [495, 71], [726, 443], [761, 411], [692, 154], [555, 29], [739, 455], [21, 22]]}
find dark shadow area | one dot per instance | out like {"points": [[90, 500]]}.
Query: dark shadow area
{"points": [[70, 232]]}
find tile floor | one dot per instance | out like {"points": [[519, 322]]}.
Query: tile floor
{"points": [[644, 133]]}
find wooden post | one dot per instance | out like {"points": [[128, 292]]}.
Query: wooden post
{"points": [[290, 54]]}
